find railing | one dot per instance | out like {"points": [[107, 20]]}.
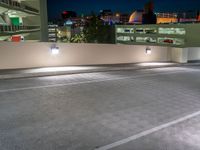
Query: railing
{"points": [[14, 29], [19, 5]]}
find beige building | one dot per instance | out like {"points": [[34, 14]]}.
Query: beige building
{"points": [[23, 20]]}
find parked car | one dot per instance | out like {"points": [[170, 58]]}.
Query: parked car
{"points": [[168, 41], [150, 40]]}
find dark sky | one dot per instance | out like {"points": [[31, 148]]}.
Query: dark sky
{"points": [[55, 7]]}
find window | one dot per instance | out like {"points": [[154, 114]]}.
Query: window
{"points": [[174, 41], [125, 38], [146, 30], [125, 30], [175, 31], [146, 39]]}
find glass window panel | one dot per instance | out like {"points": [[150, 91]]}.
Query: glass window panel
{"points": [[146, 39], [176, 31], [125, 38], [125, 30], [146, 30]]}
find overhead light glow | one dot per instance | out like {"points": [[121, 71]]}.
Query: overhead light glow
{"points": [[55, 51]]}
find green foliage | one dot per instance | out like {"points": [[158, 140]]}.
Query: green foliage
{"points": [[78, 38], [91, 30], [97, 32], [94, 32]]}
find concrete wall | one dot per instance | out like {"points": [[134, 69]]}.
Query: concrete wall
{"points": [[44, 20], [192, 34], [179, 55], [184, 55], [26, 55], [38, 20], [194, 53]]}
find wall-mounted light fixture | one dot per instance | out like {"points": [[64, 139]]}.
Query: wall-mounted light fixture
{"points": [[148, 51], [55, 50]]}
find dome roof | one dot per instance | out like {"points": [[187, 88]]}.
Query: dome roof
{"points": [[136, 17]]}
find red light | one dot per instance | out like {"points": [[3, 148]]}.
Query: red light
{"points": [[65, 12]]}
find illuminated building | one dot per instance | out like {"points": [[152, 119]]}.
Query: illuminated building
{"points": [[189, 16], [136, 17], [108, 17], [113, 18], [176, 35], [23, 20], [106, 12], [124, 18], [147, 16], [166, 17]]}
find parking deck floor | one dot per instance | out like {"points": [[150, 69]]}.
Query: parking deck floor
{"points": [[152, 109]]}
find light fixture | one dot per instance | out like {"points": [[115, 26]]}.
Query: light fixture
{"points": [[55, 50], [148, 51]]}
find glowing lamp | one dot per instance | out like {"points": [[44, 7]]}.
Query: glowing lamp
{"points": [[148, 51], [55, 50]]}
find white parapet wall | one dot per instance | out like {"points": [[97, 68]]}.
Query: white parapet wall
{"points": [[194, 54], [28, 55], [179, 55], [184, 55]]}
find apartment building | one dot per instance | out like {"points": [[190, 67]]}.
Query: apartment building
{"points": [[23, 20]]}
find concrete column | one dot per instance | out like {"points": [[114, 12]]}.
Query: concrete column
{"points": [[194, 54], [44, 20], [179, 55], [6, 19]]}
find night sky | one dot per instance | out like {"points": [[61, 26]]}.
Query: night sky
{"points": [[55, 7]]}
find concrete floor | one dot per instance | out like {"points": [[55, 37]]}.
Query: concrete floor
{"points": [[89, 111], [53, 71]]}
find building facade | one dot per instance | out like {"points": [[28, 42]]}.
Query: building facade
{"points": [[23, 20], [52, 32], [173, 35]]}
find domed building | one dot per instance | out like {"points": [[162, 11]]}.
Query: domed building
{"points": [[136, 17]]}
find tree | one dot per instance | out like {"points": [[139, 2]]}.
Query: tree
{"points": [[91, 29], [96, 32], [78, 38]]}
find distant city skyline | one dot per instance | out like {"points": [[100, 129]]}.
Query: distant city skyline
{"points": [[85, 7]]}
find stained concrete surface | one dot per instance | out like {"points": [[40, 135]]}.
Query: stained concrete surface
{"points": [[86, 111]]}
